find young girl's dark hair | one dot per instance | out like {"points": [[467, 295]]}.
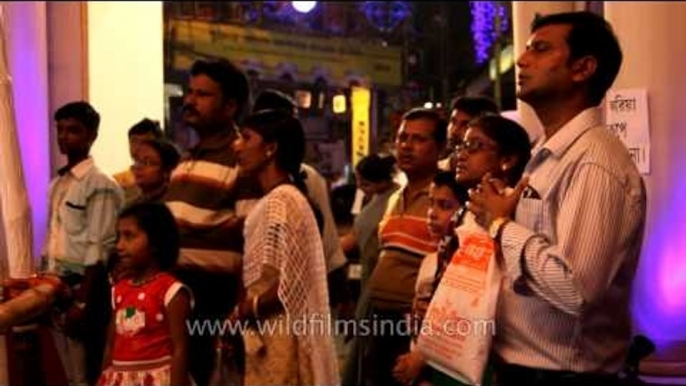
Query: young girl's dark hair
{"points": [[159, 225], [446, 178]]}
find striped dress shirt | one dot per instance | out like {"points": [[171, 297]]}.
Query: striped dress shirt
{"points": [[571, 253]]}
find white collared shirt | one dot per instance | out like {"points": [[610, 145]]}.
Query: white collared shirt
{"points": [[572, 252], [84, 204]]}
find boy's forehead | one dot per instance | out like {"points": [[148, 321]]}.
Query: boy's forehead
{"points": [[142, 136], [69, 122]]}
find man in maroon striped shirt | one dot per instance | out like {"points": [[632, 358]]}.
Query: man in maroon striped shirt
{"points": [[404, 240], [210, 201]]}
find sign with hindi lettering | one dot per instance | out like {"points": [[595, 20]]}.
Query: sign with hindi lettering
{"points": [[336, 56], [626, 115], [361, 103]]}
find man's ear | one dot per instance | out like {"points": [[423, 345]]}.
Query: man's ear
{"points": [[93, 137], [583, 68], [230, 108]]}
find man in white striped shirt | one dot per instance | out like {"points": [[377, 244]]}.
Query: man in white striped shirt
{"points": [[571, 233]]}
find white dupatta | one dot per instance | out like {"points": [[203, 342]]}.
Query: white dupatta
{"points": [[281, 231]]}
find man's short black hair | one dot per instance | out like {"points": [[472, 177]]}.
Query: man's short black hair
{"points": [[81, 111], [474, 105], [231, 79], [440, 124], [590, 35]]}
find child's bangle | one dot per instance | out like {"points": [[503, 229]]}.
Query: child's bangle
{"points": [[255, 301]]}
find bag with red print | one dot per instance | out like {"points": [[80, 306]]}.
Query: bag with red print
{"points": [[458, 329]]}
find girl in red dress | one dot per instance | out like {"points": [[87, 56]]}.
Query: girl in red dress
{"points": [[147, 338]]}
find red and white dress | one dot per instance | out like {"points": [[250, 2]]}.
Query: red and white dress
{"points": [[142, 345]]}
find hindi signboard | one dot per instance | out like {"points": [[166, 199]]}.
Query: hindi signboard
{"points": [[361, 102], [626, 115]]}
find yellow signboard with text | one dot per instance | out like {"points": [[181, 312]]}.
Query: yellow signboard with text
{"points": [[337, 59], [360, 101]]}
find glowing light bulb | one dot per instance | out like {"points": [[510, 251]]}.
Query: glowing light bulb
{"points": [[303, 6]]}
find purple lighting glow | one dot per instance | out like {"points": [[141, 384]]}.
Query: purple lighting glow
{"points": [[27, 60], [659, 304], [483, 28], [386, 15]]}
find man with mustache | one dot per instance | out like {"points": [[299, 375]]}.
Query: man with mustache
{"points": [[404, 241], [210, 201]]}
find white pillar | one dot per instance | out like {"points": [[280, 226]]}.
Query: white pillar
{"points": [[523, 13], [23, 104], [67, 64], [654, 55], [27, 61], [125, 73], [107, 53]]}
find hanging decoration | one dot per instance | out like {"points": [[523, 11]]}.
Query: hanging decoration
{"points": [[385, 15], [483, 28]]}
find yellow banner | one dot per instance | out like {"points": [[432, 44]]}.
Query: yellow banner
{"points": [[339, 58], [360, 101]]}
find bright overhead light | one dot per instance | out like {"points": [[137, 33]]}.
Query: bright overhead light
{"points": [[303, 6]]}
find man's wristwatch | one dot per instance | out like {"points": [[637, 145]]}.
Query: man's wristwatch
{"points": [[496, 226]]}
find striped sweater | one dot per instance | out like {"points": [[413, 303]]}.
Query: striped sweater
{"points": [[404, 239], [210, 201]]}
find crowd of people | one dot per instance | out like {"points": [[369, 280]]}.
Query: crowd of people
{"points": [[239, 231]]}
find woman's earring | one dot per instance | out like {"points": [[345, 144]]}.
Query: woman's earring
{"points": [[504, 167]]}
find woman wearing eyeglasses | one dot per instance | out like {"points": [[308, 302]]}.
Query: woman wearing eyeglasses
{"points": [[492, 144], [495, 145], [153, 164]]}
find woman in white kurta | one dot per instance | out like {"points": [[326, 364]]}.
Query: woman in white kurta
{"points": [[284, 271]]}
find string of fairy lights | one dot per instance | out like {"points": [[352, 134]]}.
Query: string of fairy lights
{"points": [[484, 32]]}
